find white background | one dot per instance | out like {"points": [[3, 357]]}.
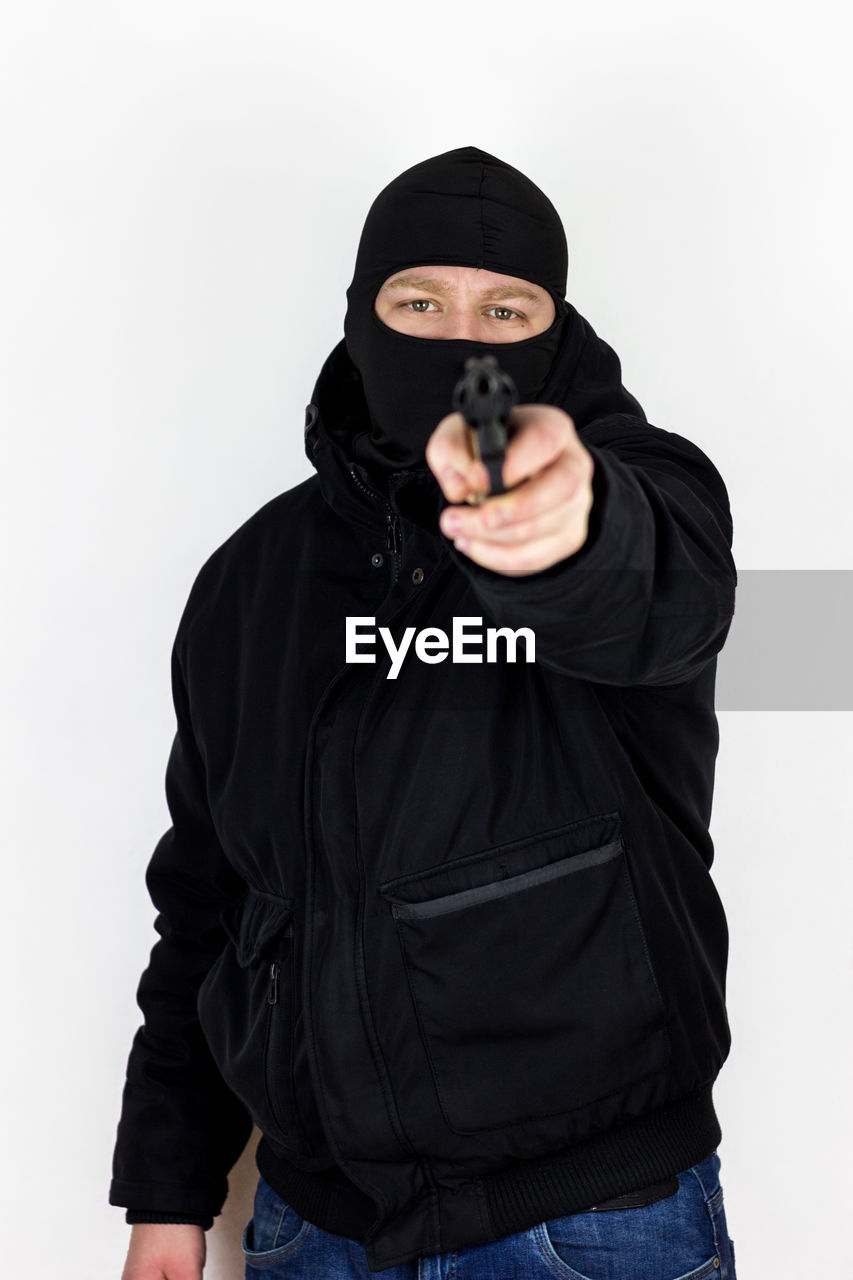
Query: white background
{"points": [[184, 185]]}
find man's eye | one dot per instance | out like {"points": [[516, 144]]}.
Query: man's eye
{"points": [[507, 312], [420, 304]]}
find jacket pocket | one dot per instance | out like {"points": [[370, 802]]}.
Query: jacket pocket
{"points": [[246, 1010], [529, 975]]}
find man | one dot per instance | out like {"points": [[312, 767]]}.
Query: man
{"points": [[441, 922]]}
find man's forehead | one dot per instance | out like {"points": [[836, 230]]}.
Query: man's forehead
{"points": [[444, 280]]}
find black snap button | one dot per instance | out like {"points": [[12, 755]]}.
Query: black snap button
{"points": [[417, 575], [377, 558]]}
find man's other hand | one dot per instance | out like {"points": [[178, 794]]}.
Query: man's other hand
{"points": [[546, 516], [165, 1251]]}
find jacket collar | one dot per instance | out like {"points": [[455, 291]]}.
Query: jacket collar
{"points": [[337, 410]]}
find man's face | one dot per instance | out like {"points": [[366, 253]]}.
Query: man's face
{"points": [[463, 302]]}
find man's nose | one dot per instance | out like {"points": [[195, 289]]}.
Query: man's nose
{"points": [[463, 324]]}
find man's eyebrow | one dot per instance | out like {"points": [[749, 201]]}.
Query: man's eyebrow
{"points": [[438, 286], [418, 282], [507, 291]]}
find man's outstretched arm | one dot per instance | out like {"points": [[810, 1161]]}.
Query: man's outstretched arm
{"points": [[615, 547]]}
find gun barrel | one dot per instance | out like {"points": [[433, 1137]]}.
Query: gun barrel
{"points": [[485, 395]]}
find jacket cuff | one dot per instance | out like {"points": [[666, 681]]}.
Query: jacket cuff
{"points": [[140, 1215], [171, 1200]]}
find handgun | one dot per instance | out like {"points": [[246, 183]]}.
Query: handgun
{"points": [[485, 395]]}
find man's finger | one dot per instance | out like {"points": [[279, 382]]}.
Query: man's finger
{"points": [[527, 511], [450, 456], [540, 434]]}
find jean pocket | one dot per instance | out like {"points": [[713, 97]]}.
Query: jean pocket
{"points": [[275, 1231], [636, 1267], [530, 975], [674, 1238]]}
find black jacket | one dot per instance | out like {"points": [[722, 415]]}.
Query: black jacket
{"points": [[450, 940]]}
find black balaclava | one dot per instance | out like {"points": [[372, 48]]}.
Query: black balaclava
{"points": [[463, 208]]}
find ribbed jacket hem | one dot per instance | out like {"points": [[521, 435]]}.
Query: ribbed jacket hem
{"points": [[645, 1150], [639, 1153], [335, 1206]]}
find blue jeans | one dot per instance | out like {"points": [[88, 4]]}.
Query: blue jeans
{"points": [[682, 1237]]}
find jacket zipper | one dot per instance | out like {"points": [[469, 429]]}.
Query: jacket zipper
{"points": [[393, 531], [272, 1000], [272, 994]]}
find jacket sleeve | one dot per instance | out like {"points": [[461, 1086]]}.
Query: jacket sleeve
{"points": [[649, 598], [181, 1128]]}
